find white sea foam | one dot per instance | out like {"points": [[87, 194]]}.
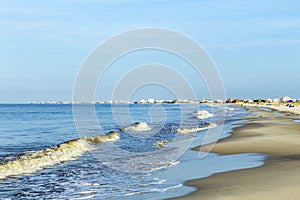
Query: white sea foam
{"points": [[86, 197], [88, 192], [138, 127], [172, 187], [195, 129], [32, 162], [203, 114], [161, 190], [163, 165]]}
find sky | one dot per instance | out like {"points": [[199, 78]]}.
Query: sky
{"points": [[255, 45]]}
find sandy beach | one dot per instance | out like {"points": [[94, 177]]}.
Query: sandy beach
{"points": [[281, 108], [268, 133]]}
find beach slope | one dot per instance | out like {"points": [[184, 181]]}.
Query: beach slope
{"points": [[277, 136]]}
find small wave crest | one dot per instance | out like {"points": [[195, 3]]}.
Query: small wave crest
{"points": [[138, 126], [112, 136], [203, 114], [32, 162], [195, 129]]}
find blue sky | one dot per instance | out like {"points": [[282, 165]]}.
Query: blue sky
{"points": [[255, 44]]}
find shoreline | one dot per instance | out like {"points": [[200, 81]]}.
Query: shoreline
{"points": [[277, 137], [280, 107]]}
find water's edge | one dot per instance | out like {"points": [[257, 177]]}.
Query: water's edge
{"points": [[234, 162]]}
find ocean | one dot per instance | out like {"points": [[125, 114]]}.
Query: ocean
{"points": [[45, 154]]}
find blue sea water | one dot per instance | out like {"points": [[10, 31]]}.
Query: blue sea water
{"points": [[133, 167]]}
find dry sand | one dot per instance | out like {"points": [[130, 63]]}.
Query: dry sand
{"points": [[282, 108], [279, 107], [279, 178]]}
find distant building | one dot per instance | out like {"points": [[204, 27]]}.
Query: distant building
{"points": [[185, 101], [218, 101], [285, 99], [169, 101], [204, 101], [159, 101], [142, 101], [192, 102], [257, 101], [248, 101], [234, 100], [268, 100], [151, 101]]}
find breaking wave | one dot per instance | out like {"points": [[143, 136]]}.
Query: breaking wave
{"points": [[138, 126], [195, 129], [203, 114], [32, 162]]}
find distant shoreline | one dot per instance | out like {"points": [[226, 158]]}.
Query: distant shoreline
{"points": [[149, 101], [259, 102]]}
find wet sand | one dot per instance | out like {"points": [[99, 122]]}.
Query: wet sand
{"points": [[268, 133]]}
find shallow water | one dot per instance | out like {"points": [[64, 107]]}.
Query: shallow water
{"points": [[130, 168]]}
